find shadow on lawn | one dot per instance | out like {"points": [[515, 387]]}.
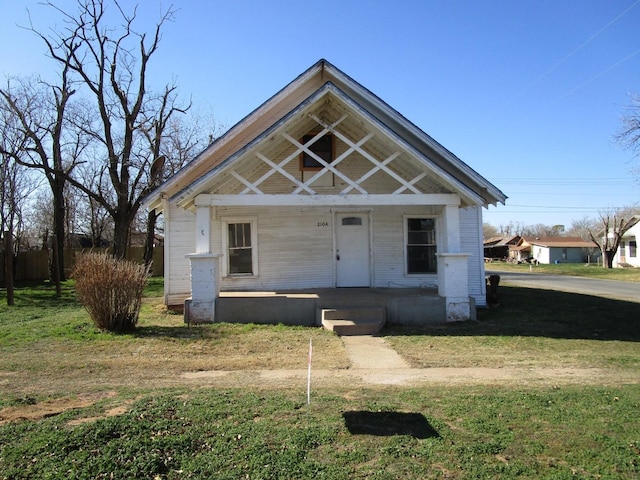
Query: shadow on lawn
{"points": [[389, 424], [177, 332], [545, 313]]}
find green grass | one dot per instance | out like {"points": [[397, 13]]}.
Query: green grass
{"points": [[51, 351], [478, 432], [574, 269]]}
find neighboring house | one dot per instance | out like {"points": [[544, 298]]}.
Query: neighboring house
{"points": [[627, 254], [561, 250], [323, 186], [497, 248], [520, 252]]}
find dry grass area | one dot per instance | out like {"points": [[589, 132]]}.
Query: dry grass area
{"points": [[52, 349], [433, 351], [533, 329], [161, 348]]}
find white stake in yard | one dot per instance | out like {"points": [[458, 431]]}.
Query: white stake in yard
{"points": [[309, 373]]}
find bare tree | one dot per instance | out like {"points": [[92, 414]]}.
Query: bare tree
{"points": [[489, 231], [16, 185], [512, 229], [173, 145], [629, 135], [36, 112], [612, 225], [542, 230], [110, 65], [582, 227]]}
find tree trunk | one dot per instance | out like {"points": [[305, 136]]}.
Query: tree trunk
{"points": [[607, 258], [8, 265], [121, 230], [55, 251], [150, 239], [59, 214]]}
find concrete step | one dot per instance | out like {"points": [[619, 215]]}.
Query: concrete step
{"points": [[354, 321]]}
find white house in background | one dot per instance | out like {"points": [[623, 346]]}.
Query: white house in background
{"points": [[323, 186], [550, 250], [627, 253]]}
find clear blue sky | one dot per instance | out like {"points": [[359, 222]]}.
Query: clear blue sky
{"points": [[529, 93]]}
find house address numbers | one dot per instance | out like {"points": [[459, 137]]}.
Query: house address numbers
{"points": [[322, 224]]}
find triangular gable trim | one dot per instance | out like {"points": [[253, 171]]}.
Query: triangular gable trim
{"points": [[481, 187], [185, 197]]}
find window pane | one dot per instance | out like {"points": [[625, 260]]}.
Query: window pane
{"points": [[239, 235], [632, 248], [239, 249], [352, 221], [421, 245], [421, 259], [240, 261], [421, 224], [421, 238]]}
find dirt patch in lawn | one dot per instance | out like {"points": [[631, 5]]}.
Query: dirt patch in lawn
{"points": [[32, 410]]}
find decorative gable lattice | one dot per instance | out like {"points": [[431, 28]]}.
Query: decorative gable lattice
{"points": [[367, 159]]}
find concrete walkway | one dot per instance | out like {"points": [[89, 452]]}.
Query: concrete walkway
{"points": [[370, 353]]}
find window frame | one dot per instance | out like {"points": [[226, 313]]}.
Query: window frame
{"points": [[633, 248], [304, 156], [436, 227], [225, 222]]}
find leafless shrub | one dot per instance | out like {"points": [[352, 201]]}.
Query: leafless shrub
{"points": [[111, 290]]}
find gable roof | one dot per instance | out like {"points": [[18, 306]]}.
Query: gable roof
{"points": [[562, 242], [502, 241], [320, 80]]}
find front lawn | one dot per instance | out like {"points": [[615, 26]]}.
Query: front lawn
{"points": [[346, 433], [574, 269], [79, 403]]}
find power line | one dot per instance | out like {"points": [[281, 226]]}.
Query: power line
{"points": [[565, 181], [585, 83], [555, 207], [572, 194], [571, 54]]}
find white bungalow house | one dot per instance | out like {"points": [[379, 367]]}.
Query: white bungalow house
{"points": [[550, 250], [627, 254], [324, 187]]}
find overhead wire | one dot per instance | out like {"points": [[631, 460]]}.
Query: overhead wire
{"points": [[547, 72]]}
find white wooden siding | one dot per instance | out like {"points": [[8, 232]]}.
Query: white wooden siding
{"points": [[295, 248], [471, 242], [388, 245], [182, 229]]}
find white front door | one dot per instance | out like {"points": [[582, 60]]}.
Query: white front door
{"points": [[352, 250]]}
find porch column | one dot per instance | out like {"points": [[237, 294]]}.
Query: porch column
{"points": [[453, 280], [205, 287], [205, 268], [451, 217], [203, 228]]}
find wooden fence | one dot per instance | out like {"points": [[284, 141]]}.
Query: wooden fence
{"points": [[34, 264]]}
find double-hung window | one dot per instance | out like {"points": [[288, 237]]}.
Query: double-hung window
{"points": [[420, 235], [239, 243]]}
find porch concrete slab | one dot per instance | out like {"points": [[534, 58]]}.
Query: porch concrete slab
{"points": [[403, 306], [371, 352]]}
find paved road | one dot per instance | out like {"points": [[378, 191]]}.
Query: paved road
{"points": [[588, 286]]}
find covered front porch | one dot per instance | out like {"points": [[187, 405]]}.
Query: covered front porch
{"points": [[317, 307]]}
